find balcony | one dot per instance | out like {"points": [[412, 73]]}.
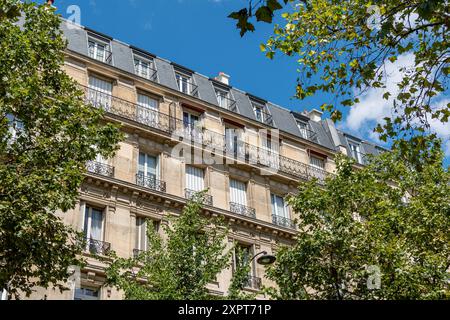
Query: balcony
{"points": [[188, 87], [177, 128], [283, 222], [100, 169], [150, 182], [253, 283], [97, 247], [147, 73], [206, 199], [264, 117], [242, 210], [308, 134], [227, 103]]}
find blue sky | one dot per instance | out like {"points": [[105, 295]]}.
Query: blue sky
{"points": [[198, 35]]}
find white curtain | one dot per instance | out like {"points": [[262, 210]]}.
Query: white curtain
{"points": [[141, 234], [194, 179], [238, 192], [279, 207], [100, 93], [93, 222], [318, 163], [147, 111]]}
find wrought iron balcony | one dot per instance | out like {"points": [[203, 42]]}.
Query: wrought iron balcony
{"points": [[283, 222], [242, 210], [253, 283], [97, 247], [319, 174], [294, 167], [150, 182], [147, 73], [100, 168], [103, 55], [206, 199], [227, 103], [308, 134], [189, 88], [264, 117]]}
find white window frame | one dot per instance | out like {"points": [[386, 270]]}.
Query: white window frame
{"points": [[141, 242], [183, 82], [239, 196], [140, 69], [285, 213], [146, 166], [200, 180], [303, 127], [100, 92], [87, 225], [146, 112], [313, 164], [85, 296], [223, 97], [356, 150], [262, 109], [97, 43]]}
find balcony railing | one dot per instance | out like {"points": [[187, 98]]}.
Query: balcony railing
{"points": [[227, 103], [100, 168], [238, 150], [242, 210], [206, 198], [98, 247], [189, 88], [264, 117], [283, 222], [253, 283], [147, 73], [308, 134], [150, 182]]}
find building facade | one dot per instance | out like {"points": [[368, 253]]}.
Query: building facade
{"points": [[185, 133]]}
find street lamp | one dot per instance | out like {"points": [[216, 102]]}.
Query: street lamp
{"points": [[265, 259]]}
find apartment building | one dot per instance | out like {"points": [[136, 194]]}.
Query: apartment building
{"points": [[174, 118]]}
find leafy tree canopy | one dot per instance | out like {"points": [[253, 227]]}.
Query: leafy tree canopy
{"points": [[47, 133], [343, 48], [381, 232]]}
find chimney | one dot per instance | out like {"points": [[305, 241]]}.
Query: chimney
{"points": [[50, 2], [315, 115], [224, 78]]}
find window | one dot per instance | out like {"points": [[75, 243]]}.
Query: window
{"points": [[84, 293], [238, 192], [317, 162], [93, 223], [144, 67], [148, 166], [303, 127], [233, 141], [184, 84], [147, 110], [100, 93], [192, 126], [259, 112], [99, 50], [279, 208], [244, 259], [194, 179], [355, 151], [223, 98], [141, 234]]}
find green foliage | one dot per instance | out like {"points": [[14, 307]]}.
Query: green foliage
{"points": [[41, 169], [343, 47], [178, 267], [360, 221], [240, 277]]}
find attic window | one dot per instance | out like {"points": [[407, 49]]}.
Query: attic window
{"points": [[100, 50], [144, 67], [261, 113]]}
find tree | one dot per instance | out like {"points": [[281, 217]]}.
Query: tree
{"points": [[47, 134], [180, 267], [381, 232], [343, 48]]}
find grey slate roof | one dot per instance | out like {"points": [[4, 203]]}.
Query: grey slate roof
{"points": [[283, 119]]}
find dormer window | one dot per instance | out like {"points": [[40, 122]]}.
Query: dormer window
{"points": [[100, 50], [355, 151], [144, 67], [224, 99], [261, 114], [185, 84], [303, 127]]}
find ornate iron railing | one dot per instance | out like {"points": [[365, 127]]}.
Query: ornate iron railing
{"points": [[206, 198], [227, 103], [150, 182], [238, 150], [253, 282], [97, 247], [242, 210], [308, 134], [100, 168], [191, 89], [150, 75], [283, 222]]}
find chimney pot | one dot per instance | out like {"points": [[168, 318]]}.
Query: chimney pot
{"points": [[315, 115], [224, 78]]}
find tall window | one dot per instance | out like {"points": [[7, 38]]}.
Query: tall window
{"points": [[303, 127], [84, 293], [184, 84], [258, 109], [93, 223], [244, 259], [147, 110], [100, 93], [148, 166], [355, 151], [238, 192], [279, 208], [195, 179], [99, 50], [233, 141], [191, 123], [223, 98], [144, 67], [141, 232]]}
